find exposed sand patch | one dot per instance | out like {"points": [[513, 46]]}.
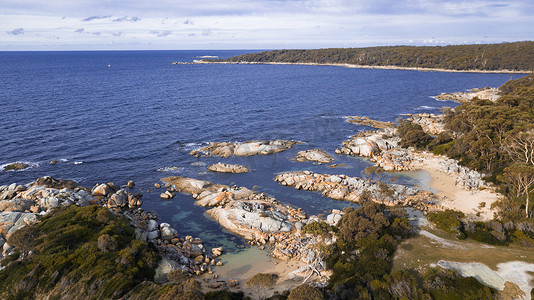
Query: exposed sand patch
{"points": [[512, 271], [455, 197], [243, 265]]}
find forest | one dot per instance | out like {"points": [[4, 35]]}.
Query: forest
{"points": [[496, 138], [489, 57]]}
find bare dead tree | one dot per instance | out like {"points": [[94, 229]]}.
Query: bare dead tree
{"points": [[520, 147], [521, 177]]}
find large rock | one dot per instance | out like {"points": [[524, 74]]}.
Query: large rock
{"points": [[165, 267], [246, 223], [21, 205], [51, 182], [49, 203], [249, 148], [101, 190], [12, 221], [365, 121], [119, 199], [314, 155], [167, 232], [228, 168]]}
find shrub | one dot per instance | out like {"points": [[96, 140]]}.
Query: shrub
{"points": [[263, 279], [305, 292], [107, 243], [318, 228], [448, 220]]}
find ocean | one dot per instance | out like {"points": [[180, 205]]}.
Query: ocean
{"points": [[114, 116]]}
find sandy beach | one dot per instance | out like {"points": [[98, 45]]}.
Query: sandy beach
{"points": [[365, 67], [476, 204], [244, 264]]}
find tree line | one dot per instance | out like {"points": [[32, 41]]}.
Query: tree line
{"points": [[505, 56]]}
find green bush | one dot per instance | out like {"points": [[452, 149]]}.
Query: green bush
{"points": [[305, 292], [318, 228], [263, 279], [448, 220], [67, 259]]}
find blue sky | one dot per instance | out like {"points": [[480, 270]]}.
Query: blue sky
{"points": [[254, 24]]}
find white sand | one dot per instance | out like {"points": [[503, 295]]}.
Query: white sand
{"points": [[243, 265], [455, 197]]}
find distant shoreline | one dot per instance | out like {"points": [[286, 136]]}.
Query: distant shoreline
{"points": [[366, 67]]}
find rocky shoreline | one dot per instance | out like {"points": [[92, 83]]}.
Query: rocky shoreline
{"points": [[22, 205], [487, 93], [261, 219], [354, 189]]}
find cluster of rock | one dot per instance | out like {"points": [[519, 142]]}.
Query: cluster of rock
{"points": [[487, 93], [185, 253], [365, 121], [226, 149], [317, 155], [253, 215], [431, 123], [464, 177], [22, 205], [342, 187], [382, 147], [228, 168]]}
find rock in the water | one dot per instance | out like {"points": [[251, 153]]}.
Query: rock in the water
{"points": [[228, 168], [365, 121], [51, 182], [16, 166], [249, 148], [314, 155], [131, 184]]}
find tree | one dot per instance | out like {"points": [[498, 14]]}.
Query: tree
{"points": [[521, 177], [520, 147]]}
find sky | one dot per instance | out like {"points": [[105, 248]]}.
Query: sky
{"points": [[255, 24]]}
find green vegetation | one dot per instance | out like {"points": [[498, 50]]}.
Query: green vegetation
{"points": [[448, 220], [493, 232], [305, 292], [77, 252], [263, 279], [362, 262], [505, 56], [318, 228]]}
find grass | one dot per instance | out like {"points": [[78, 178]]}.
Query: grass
{"points": [[419, 252]]}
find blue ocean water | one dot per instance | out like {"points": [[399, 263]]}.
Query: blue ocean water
{"points": [[132, 115]]}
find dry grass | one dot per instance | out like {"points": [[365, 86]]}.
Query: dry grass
{"points": [[421, 251]]}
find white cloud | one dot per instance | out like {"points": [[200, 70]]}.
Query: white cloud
{"points": [[260, 24]]}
